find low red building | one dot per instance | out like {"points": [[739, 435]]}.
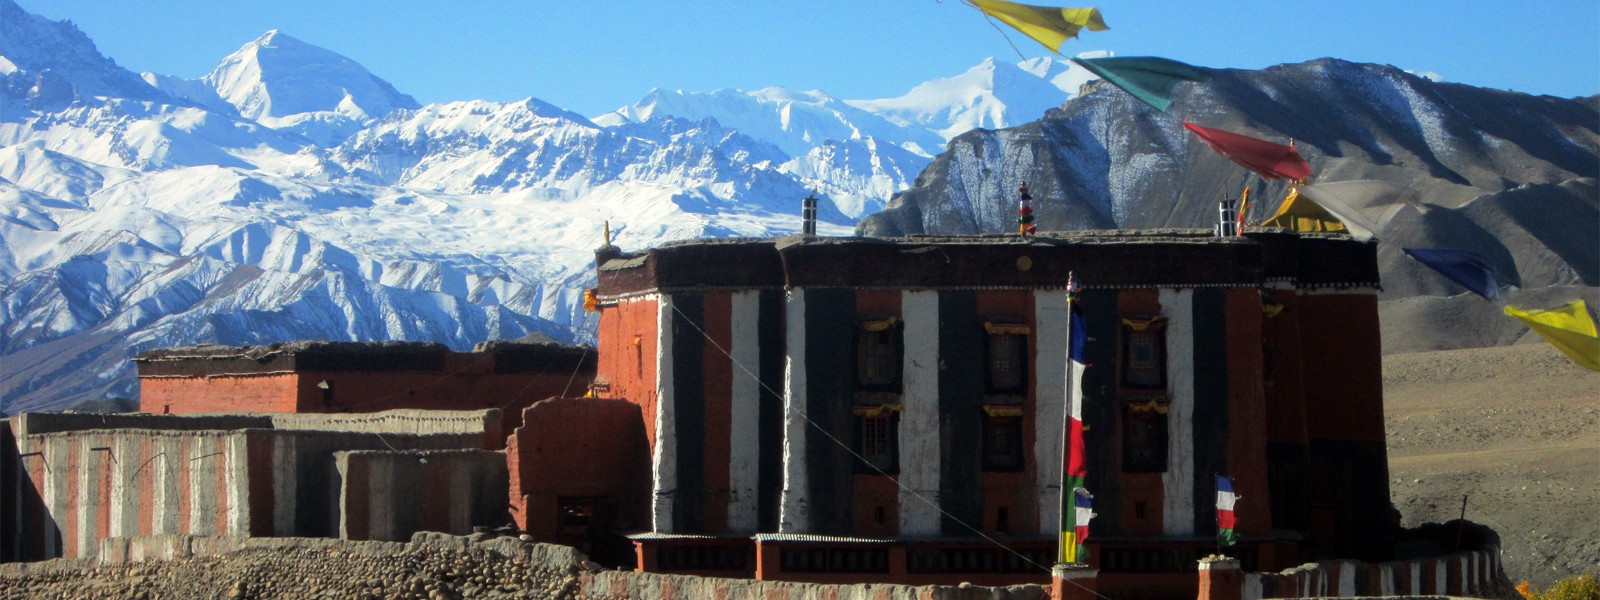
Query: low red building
{"points": [[580, 474], [330, 377]]}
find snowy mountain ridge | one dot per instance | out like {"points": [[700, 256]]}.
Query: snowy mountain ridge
{"points": [[291, 194]]}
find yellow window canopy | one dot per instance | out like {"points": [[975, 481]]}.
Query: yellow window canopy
{"points": [[1143, 324], [995, 328], [876, 410], [880, 324], [1002, 410], [1157, 406], [1271, 308]]}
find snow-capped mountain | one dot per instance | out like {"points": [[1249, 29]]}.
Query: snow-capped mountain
{"points": [[992, 95], [861, 152], [284, 83], [290, 194], [794, 121], [48, 64]]}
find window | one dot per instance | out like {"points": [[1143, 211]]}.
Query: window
{"points": [[1002, 442], [878, 440], [1006, 369], [878, 355], [1144, 436], [1144, 353], [1007, 352]]}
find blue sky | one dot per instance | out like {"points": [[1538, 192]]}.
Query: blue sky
{"points": [[596, 55]]}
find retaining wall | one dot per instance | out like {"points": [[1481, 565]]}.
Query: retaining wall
{"points": [[1476, 573], [654, 586], [387, 495], [73, 480], [417, 422]]}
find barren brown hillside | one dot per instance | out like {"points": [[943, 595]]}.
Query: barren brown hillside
{"points": [[1515, 429]]}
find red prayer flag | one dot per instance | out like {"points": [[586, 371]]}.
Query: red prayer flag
{"points": [[1269, 160]]}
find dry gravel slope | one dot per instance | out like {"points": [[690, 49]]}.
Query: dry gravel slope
{"points": [[1515, 429]]}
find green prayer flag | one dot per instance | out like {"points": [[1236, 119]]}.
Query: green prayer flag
{"points": [[1148, 78]]}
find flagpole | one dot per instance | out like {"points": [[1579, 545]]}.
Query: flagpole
{"points": [[1217, 515], [1066, 433]]}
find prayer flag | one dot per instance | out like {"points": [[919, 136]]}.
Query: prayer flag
{"points": [[1567, 327], [1083, 512], [1244, 208], [1364, 206], [1469, 269], [1071, 546], [1025, 219], [1305, 215], [1225, 518], [1048, 25], [1267, 159], [1148, 78]]}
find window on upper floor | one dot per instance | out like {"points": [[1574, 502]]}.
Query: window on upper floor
{"points": [[1144, 353], [1007, 352], [878, 354], [1006, 380]]}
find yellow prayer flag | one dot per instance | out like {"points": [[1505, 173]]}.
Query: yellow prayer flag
{"points": [[1049, 25], [1567, 327]]}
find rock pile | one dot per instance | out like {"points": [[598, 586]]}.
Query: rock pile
{"points": [[432, 566]]}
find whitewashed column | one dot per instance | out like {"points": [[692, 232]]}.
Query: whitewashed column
{"points": [[88, 499], [1347, 578], [744, 429], [164, 498], [664, 458], [795, 509], [237, 481], [1050, 407], [1177, 482], [919, 422], [202, 485], [56, 449], [125, 487]]}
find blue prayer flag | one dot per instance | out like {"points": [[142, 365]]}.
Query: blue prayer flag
{"points": [[1469, 269]]}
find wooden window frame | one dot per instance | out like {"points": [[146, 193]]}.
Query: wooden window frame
{"points": [[1003, 460], [889, 331], [1144, 372], [1145, 436], [1019, 338], [877, 442]]}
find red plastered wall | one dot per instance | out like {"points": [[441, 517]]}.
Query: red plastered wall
{"points": [[627, 364], [1247, 414], [577, 447], [240, 393]]}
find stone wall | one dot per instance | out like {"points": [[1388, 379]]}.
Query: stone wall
{"points": [[1472, 574], [1476, 574], [73, 480], [653, 586], [419, 422], [590, 448], [388, 495]]}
